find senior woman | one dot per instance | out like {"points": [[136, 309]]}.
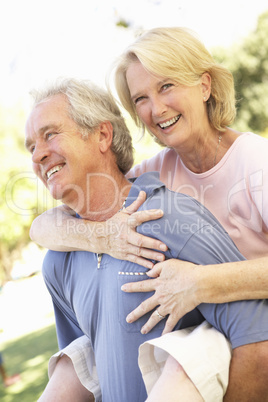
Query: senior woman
{"points": [[170, 84]]}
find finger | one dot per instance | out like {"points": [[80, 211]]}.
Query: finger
{"points": [[137, 203], [143, 261], [137, 218], [151, 323], [144, 308], [140, 261], [141, 286], [146, 242], [170, 324], [156, 271], [134, 253]]}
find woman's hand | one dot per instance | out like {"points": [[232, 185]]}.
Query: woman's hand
{"points": [[120, 239], [175, 287], [58, 229]]}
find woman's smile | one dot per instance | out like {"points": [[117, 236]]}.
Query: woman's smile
{"points": [[169, 123]]}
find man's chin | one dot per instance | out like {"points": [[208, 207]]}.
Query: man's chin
{"points": [[69, 194], [55, 193]]}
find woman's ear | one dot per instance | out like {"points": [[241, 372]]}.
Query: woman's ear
{"points": [[105, 136], [206, 86]]}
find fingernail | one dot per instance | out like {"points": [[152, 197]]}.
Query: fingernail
{"points": [[124, 288], [143, 331], [129, 319], [163, 247]]}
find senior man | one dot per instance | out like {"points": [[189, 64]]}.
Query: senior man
{"points": [[81, 150]]}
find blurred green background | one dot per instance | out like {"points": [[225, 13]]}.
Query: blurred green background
{"points": [[27, 325]]}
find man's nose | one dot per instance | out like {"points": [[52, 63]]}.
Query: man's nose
{"points": [[40, 153]]}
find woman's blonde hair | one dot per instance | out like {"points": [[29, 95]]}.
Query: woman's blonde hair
{"points": [[176, 53]]}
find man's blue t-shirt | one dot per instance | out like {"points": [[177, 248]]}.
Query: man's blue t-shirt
{"points": [[88, 300]]}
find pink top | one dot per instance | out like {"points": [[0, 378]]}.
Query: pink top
{"points": [[235, 190]]}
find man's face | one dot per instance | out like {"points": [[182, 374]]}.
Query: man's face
{"points": [[60, 157]]}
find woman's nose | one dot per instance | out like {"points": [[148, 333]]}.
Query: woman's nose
{"points": [[158, 108]]}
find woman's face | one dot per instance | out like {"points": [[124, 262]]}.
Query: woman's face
{"points": [[175, 114]]}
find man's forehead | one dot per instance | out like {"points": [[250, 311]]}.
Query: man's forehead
{"points": [[50, 110], [46, 115], [54, 102]]}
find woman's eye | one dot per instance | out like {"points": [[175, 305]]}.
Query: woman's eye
{"points": [[140, 98], [166, 86]]}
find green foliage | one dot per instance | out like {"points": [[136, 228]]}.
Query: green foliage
{"points": [[19, 195], [122, 23], [28, 356], [248, 62], [12, 163]]}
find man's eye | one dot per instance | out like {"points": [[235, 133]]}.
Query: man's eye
{"points": [[49, 135], [32, 150]]}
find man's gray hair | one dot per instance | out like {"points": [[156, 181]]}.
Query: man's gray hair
{"points": [[90, 106]]}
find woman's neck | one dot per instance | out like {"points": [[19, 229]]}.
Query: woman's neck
{"points": [[208, 150]]}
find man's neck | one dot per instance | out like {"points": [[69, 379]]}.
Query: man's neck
{"points": [[106, 195]]}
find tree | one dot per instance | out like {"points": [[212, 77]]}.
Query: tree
{"points": [[248, 62]]}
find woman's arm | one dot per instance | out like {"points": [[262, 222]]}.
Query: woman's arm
{"points": [[58, 229], [181, 286]]}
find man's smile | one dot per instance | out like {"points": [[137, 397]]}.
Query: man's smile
{"points": [[53, 170]]}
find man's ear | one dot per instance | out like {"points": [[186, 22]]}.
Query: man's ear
{"points": [[105, 136]]}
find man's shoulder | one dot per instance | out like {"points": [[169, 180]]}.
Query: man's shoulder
{"points": [[52, 260], [147, 182], [183, 217], [57, 261], [176, 204]]}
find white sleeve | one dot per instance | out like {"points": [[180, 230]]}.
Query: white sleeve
{"points": [[203, 352]]}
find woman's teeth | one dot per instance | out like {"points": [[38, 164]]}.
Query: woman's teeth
{"points": [[170, 122]]}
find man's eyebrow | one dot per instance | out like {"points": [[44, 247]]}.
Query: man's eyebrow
{"points": [[51, 126], [27, 143], [41, 131]]}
